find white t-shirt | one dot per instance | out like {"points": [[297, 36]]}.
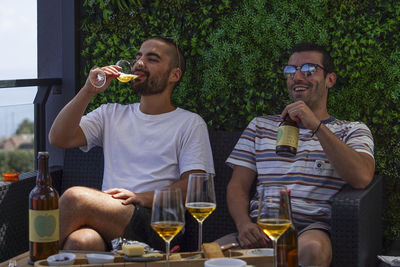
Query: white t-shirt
{"points": [[146, 152]]}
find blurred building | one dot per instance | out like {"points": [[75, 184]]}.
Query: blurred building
{"points": [[22, 141]]}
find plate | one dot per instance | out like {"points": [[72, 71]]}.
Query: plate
{"points": [[61, 259], [143, 259], [261, 252], [98, 258], [393, 261]]}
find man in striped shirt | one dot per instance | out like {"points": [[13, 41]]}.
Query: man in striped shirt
{"points": [[331, 153]]}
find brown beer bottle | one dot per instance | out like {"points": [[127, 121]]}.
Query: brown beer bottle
{"points": [[44, 232], [287, 244], [287, 138]]}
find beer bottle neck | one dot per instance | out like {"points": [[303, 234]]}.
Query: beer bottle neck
{"points": [[43, 176]]}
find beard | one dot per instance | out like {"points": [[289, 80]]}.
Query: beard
{"points": [[151, 86], [313, 96]]}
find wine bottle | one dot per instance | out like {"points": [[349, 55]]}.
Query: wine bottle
{"points": [[287, 243], [287, 138], [44, 232]]}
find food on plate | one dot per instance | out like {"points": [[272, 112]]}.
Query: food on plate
{"points": [[175, 256], [153, 255], [63, 259], [212, 250], [132, 250]]}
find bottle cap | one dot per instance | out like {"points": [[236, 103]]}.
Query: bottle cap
{"points": [[10, 176], [43, 154]]}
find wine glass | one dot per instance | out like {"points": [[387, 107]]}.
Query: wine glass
{"points": [[200, 199], [99, 79], [273, 213], [167, 215], [126, 72]]}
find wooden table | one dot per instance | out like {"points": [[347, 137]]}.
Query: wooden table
{"points": [[22, 260], [258, 261]]}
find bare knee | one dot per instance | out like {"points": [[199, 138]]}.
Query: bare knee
{"points": [[75, 197], [310, 249], [85, 239], [315, 249]]}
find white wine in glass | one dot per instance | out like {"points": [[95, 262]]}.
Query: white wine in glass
{"points": [[126, 72], [200, 199], [167, 215], [167, 229], [274, 228], [99, 79], [273, 213]]}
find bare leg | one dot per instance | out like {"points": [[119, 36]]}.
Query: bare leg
{"points": [[89, 208], [315, 248], [85, 239]]}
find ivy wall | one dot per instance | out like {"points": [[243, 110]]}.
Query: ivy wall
{"points": [[235, 50]]}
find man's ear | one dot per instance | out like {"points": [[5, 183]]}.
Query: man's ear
{"points": [[175, 75], [330, 80]]}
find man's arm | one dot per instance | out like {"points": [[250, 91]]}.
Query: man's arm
{"points": [[249, 234], [65, 131], [356, 168], [145, 199]]}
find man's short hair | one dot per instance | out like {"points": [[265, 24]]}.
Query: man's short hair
{"points": [[177, 58], [327, 60]]}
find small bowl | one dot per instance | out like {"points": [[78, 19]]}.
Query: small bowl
{"points": [[98, 258], [220, 262], [61, 259]]}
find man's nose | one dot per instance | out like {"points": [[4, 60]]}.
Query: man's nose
{"points": [[138, 64], [298, 75]]}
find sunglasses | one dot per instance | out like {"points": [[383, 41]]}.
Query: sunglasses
{"points": [[308, 69]]}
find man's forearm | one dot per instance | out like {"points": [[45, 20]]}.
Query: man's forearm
{"points": [[238, 206], [146, 198], [354, 167], [66, 123]]}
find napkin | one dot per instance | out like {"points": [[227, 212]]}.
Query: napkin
{"points": [[391, 260]]}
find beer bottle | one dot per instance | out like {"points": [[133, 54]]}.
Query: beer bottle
{"points": [[287, 244], [287, 138], [44, 233]]}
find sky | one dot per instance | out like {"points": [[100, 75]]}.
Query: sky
{"points": [[18, 60]]}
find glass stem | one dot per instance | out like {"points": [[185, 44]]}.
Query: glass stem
{"points": [[167, 252], [200, 235], [274, 242]]}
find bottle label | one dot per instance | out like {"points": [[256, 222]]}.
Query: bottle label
{"points": [[43, 226], [287, 136]]}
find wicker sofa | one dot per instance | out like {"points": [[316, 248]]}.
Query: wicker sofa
{"points": [[356, 214]]}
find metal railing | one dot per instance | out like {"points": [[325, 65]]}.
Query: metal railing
{"points": [[44, 88]]}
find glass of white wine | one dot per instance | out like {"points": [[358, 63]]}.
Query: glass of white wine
{"points": [[200, 199], [126, 72], [99, 79], [273, 213], [167, 215]]}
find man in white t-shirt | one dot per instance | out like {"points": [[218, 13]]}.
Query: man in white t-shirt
{"points": [[148, 145], [330, 153]]}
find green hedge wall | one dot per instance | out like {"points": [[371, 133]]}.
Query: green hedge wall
{"points": [[235, 50]]}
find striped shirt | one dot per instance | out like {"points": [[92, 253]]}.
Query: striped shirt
{"points": [[309, 175]]}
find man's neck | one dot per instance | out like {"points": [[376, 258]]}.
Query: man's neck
{"points": [[156, 104], [322, 115]]}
